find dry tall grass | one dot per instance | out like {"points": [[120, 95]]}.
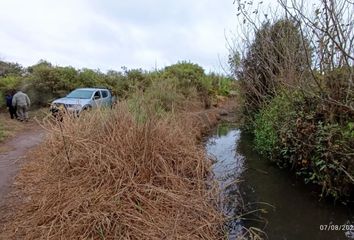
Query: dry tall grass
{"points": [[105, 176]]}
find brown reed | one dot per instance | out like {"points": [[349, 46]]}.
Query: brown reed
{"points": [[106, 176]]}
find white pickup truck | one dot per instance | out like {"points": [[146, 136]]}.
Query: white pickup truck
{"points": [[84, 99]]}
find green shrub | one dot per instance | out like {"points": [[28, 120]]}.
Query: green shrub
{"points": [[270, 121], [188, 75], [8, 83], [294, 130], [220, 85], [10, 69], [225, 86], [266, 136]]}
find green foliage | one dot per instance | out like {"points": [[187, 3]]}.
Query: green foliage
{"points": [[267, 124], [10, 69], [224, 128], [191, 77], [182, 81], [294, 130], [266, 137], [126, 83], [220, 85], [301, 119], [332, 158], [90, 78], [161, 92], [225, 86], [160, 98], [7, 84], [188, 75], [138, 79], [348, 131], [45, 82]]}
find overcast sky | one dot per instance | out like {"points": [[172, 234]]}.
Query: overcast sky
{"points": [[109, 34]]}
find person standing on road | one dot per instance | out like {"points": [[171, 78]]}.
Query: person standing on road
{"points": [[12, 109], [22, 103]]}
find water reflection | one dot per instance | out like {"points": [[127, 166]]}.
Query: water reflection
{"points": [[227, 170], [283, 206]]}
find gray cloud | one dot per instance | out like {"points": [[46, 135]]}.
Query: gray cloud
{"points": [[110, 34]]}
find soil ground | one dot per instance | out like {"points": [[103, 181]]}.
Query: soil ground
{"points": [[22, 137]]}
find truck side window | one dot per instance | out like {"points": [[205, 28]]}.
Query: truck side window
{"points": [[104, 94], [97, 95]]}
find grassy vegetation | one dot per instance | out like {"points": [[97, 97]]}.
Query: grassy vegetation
{"points": [[136, 180], [2, 134], [165, 90], [137, 172], [10, 127]]}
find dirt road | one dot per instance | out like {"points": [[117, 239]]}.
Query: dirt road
{"points": [[12, 153]]}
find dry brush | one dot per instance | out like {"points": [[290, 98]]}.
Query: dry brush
{"points": [[106, 176]]}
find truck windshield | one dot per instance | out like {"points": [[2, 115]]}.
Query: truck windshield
{"points": [[82, 94]]}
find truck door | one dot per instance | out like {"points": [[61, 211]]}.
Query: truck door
{"points": [[97, 99], [105, 98]]}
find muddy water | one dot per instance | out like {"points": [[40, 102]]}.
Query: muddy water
{"points": [[270, 198]]}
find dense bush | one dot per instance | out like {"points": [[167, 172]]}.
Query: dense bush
{"points": [[188, 75], [8, 69], [296, 131], [221, 85], [276, 58], [7, 84], [297, 95], [44, 82], [268, 122]]}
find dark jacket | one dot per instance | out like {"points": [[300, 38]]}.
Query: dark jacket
{"points": [[9, 101]]}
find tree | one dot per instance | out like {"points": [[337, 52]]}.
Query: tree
{"points": [[8, 68], [188, 74], [277, 57], [330, 26]]}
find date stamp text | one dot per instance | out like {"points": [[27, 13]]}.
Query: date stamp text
{"points": [[336, 227]]}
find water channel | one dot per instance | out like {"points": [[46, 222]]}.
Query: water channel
{"points": [[267, 197]]}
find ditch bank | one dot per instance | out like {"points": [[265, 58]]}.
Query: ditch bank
{"points": [[268, 198]]}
